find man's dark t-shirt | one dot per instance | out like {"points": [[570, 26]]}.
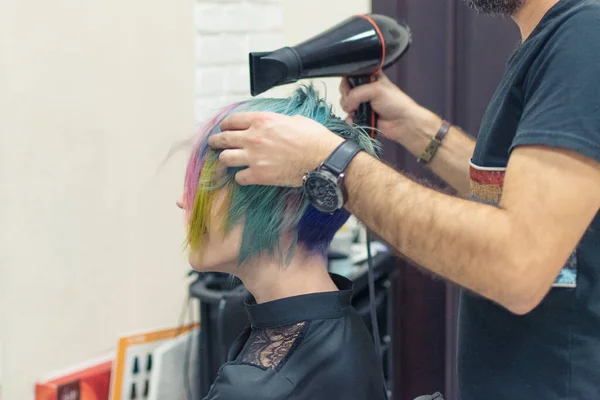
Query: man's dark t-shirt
{"points": [[549, 95]]}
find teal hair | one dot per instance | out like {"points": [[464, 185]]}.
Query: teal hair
{"points": [[268, 212]]}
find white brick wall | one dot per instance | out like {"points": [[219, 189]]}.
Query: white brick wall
{"points": [[226, 31]]}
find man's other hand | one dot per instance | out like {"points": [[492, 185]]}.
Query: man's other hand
{"points": [[400, 118], [277, 149]]}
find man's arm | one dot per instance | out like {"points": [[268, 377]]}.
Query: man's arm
{"points": [[510, 254], [451, 161], [413, 126]]}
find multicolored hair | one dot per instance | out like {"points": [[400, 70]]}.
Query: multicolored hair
{"points": [[267, 212]]}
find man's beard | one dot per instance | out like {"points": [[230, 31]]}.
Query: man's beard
{"points": [[496, 7]]}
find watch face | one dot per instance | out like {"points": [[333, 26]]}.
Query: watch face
{"points": [[323, 191]]}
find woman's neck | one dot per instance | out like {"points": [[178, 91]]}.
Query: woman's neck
{"points": [[267, 279]]}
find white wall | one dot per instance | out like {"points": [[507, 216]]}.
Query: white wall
{"points": [[304, 19], [227, 31], [92, 96]]}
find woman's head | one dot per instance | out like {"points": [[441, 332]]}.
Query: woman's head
{"points": [[229, 224]]}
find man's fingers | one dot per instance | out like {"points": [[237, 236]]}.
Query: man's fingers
{"points": [[381, 77], [359, 94], [227, 140], [240, 121], [234, 158], [245, 177], [344, 86]]}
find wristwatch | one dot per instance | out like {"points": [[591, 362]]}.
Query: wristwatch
{"points": [[324, 187]]}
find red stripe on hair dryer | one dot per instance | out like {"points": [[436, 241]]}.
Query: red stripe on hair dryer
{"points": [[359, 48]]}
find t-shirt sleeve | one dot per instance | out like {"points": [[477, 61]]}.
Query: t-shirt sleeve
{"points": [[248, 382], [562, 91]]}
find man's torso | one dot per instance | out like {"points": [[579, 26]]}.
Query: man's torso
{"points": [[552, 352]]}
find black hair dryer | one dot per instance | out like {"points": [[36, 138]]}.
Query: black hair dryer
{"points": [[358, 48]]}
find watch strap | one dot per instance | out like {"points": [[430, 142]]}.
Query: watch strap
{"points": [[435, 143], [339, 159]]}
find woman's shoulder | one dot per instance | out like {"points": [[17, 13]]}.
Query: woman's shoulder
{"points": [[336, 350], [349, 331], [244, 381], [306, 360]]}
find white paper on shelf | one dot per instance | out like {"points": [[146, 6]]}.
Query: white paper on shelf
{"points": [[167, 377]]}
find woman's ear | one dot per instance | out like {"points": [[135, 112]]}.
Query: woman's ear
{"points": [[180, 202]]}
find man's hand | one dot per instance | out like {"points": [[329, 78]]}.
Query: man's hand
{"points": [[404, 121], [277, 149], [400, 118]]}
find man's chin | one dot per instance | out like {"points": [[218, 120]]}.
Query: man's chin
{"points": [[504, 8]]}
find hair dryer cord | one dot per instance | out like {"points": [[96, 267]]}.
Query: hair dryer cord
{"points": [[373, 310]]}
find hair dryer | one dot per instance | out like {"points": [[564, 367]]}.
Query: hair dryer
{"points": [[358, 48]]}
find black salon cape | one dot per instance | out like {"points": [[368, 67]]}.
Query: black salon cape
{"points": [[305, 347]]}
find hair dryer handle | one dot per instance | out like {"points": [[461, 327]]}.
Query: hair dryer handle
{"points": [[364, 116]]}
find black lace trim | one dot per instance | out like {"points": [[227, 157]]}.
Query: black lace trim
{"points": [[272, 347]]}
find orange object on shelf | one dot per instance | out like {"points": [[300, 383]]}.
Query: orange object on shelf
{"points": [[91, 382]]}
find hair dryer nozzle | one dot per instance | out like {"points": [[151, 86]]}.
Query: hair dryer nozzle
{"points": [[270, 69]]}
